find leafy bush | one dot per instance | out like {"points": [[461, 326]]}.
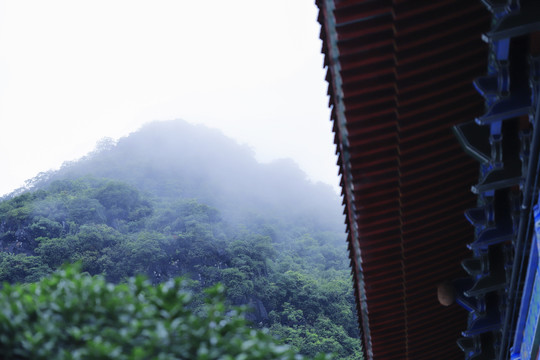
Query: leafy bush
{"points": [[71, 315], [289, 275]]}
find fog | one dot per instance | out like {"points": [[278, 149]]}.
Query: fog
{"points": [[176, 199], [175, 159], [72, 72]]}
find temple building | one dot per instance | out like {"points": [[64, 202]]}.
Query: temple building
{"points": [[434, 107]]}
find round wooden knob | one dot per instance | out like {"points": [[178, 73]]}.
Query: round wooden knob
{"points": [[446, 293]]}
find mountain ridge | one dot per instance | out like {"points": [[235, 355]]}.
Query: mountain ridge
{"points": [[207, 166]]}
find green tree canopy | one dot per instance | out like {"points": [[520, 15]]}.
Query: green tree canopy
{"points": [[70, 315]]}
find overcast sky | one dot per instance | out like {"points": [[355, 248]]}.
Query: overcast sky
{"points": [[74, 71]]}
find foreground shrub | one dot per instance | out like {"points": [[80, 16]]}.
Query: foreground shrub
{"points": [[70, 315]]}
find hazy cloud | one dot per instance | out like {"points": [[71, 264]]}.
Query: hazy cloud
{"points": [[72, 72]]}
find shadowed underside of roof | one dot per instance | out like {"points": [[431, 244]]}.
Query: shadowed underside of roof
{"points": [[400, 76]]}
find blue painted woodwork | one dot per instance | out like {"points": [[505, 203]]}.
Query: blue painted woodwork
{"points": [[525, 345]]}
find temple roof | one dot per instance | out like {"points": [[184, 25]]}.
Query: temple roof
{"points": [[400, 76]]}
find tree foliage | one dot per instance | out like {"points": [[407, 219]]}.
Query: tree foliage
{"points": [[263, 232], [70, 315], [291, 279]]}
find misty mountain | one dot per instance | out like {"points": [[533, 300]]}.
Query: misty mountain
{"points": [[174, 159], [173, 199]]}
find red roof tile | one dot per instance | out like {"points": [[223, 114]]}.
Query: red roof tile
{"points": [[400, 76]]}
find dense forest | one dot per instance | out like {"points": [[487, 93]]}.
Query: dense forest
{"points": [[173, 199]]}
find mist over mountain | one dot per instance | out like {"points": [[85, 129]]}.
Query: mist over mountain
{"points": [[174, 159], [174, 199]]}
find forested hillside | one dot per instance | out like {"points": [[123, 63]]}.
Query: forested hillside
{"points": [[179, 200]]}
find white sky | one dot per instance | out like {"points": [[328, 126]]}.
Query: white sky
{"points": [[74, 71]]}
